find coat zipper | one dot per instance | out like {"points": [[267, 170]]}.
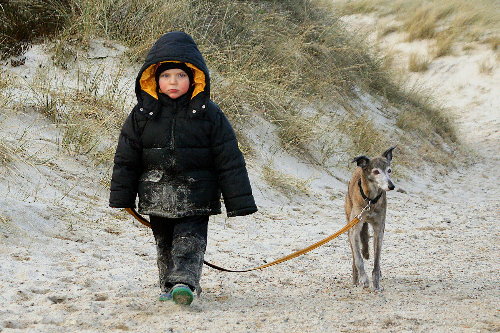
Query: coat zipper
{"points": [[172, 134]]}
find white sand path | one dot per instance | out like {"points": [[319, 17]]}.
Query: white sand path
{"points": [[82, 267]]}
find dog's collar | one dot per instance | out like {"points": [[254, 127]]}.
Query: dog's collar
{"points": [[371, 201]]}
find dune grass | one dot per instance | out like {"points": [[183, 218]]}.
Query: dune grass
{"points": [[274, 58], [418, 63], [24, 22], [486, 66], [287, 184], [365, 137], [463, 19], [443, 45], [6, 226], [88, 109], [421, 24], [6, 153]]}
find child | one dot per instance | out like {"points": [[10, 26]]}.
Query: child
{"points": [[178, 152]]}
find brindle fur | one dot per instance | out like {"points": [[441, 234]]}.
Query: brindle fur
{"points": [[372, 184]]}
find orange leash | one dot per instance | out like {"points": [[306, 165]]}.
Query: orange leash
{"points": [[138, 217], [348, 226]]}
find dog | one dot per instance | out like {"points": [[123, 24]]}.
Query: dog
{"points": [[369, 184]]}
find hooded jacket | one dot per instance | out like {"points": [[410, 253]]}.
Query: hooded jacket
{"points": [[179, 155]]}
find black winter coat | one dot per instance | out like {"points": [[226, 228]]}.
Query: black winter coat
{"points": [[179, 155]]}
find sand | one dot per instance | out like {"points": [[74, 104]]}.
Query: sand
{"points": [[69, 263]]}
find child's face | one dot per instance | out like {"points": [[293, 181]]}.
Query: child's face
{"points": [[174, 82]]}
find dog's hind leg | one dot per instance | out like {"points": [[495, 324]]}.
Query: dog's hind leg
{"points": [[354, 271], [365, 237], [358, 270], [378, 237]]}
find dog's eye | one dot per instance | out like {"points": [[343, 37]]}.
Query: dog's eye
{"points": [[376, 172], [389, 171]]}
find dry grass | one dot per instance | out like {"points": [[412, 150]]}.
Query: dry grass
{"points": [[297, 131], [5, 94], [64, 50], [274, 57], [10, 153], [268, 57], [4, 79], [386, 29], [358, 7], [285, 183], [417, 120], [493, 41], [443, 45], [418, 63], [469, 47], [462, 19], [486, 66], [6, 226], [6, 153], [24, 22], [89, 112], [365, 138], [421, 24]]}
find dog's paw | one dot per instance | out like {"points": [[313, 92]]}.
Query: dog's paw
{"points": [[363, 281], [378, 289]]}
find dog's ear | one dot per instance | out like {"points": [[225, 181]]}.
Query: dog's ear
{"points": [[361, 161], [388, 153]]}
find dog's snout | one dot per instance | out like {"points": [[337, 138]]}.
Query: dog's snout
{"points": [[391, 186]]}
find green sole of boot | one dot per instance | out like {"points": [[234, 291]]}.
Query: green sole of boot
{"points": [[182, 296]]}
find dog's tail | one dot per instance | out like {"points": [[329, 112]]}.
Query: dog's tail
{"points": [[365, 237]]}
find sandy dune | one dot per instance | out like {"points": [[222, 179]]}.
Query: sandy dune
{"points": [[70, 264]]}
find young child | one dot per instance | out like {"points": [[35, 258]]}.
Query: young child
{"points": [[179, 153]]}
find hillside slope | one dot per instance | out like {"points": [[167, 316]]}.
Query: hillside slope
{"points": [[465, 80], [70, 264]]}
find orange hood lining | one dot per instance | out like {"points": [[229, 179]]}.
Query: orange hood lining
{"points": [[148, 82]]}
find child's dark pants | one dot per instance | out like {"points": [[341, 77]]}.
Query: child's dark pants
{"points": [[181, 245]]}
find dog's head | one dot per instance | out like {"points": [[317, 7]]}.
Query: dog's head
{"points": [[377, 170]]}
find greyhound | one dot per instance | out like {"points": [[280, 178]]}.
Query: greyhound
{"points": [[368, 185]]}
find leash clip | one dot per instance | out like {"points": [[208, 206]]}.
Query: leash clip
{"points": [[365, 209]]}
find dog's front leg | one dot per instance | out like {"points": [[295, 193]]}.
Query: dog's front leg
{"points": [[358, 270], [354, 269], [378, 237]]}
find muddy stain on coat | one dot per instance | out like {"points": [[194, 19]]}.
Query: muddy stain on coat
{"points": [[165, 196]]}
